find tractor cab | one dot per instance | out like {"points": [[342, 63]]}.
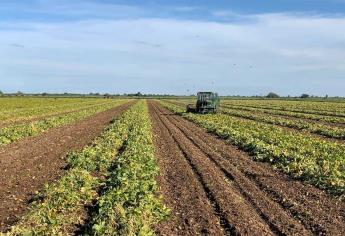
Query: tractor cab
{"points": [[207, 102]]}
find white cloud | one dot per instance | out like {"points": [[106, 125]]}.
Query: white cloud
{"points": [[284, 52]]}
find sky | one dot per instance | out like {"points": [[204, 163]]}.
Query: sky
{"points": [[234, 47]]}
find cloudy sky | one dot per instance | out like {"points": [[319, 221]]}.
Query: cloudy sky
{"points": [[178, 47]]}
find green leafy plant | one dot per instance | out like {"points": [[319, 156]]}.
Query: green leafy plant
{"points": [[317, 161], [13, 133], [130, 203]]}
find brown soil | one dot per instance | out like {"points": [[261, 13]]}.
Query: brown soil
{"points": [[213, 188], [31, 162]]}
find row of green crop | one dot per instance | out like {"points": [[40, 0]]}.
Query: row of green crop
{"points": [[319, 108], [271, 108], [255, 114], [13, 133], [130, 205], [42, 109], [312, 127], [317, 161], [321, 118], [23, 103], [127, 204]]}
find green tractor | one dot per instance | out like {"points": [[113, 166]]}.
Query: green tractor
{"points": [[208, 102]]}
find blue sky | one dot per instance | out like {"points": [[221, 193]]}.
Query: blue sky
{"points": [[176, 47]]}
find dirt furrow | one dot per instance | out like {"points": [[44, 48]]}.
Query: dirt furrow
{"points": [[288, 206], [192, 212], [278, 220], [232, 206], [318, 211], [31, 162]]}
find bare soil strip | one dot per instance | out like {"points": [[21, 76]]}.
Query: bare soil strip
{"points": [[31, 162], [192, 212], [248, 197]]}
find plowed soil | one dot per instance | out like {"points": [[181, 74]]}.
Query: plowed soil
{"points": [[215, 189], [31, 162]]}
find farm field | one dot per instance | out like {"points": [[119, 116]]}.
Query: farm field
{"points": [[20, 119], [144, 167], [233, 188], [30, 162], [17, 110]]}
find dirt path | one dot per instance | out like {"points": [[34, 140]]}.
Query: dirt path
{"points": [[28, 164], [204, 180]]}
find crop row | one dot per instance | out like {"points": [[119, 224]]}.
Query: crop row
{"points": [[26, 112], [316, 161], [250, 105], [304, 122], [319, 108], [116, 175], [321, 118], [312, 127], [23, 103], [13, 133]]}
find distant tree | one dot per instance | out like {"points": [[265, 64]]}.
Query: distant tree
{"points": [[304, 95], [326, 96], [44, 94], [1, 93], [272, 95]]}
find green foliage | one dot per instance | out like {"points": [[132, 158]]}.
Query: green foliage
{"points": [[130, 205], [333, 112], [21, 109], [276, 112], [312, 127], [61, 205], [317, 161], [13, 133]]}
